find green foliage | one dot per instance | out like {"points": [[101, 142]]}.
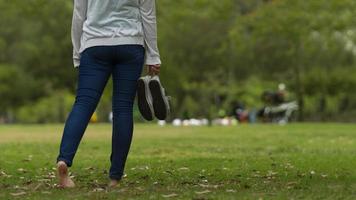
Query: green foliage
{"points": [[299, 42], [35, 35], [51, 109], [213, 53], [16, 87]]}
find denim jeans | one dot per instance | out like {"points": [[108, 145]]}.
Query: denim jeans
{"points": [[125, 63]]}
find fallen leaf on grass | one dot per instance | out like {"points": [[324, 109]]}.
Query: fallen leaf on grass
{"points": [[98, 190], [272, 173], [38, 186], [324, 175], [89, 168], [291, 183], [141, 168], [2, 173], [288, 166], [267, 182], [16, 187], [22, 170], [50, 175], [122, 190], [28, 159], [18, 194], [208, 186], [203, 192], [169, 195], [44, 180], [231, 191], [140, 188], [256, 176], [183, 169], [204, 181], [46, 192]]}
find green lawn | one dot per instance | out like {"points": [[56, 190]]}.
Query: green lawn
{"points": [[301, 161]]}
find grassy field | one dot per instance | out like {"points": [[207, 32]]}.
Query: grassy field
{"points": [[301, 161]]}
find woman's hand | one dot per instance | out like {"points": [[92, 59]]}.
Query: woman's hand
{"points": [[153, 69]]}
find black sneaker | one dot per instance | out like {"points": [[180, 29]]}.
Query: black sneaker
{"points": [[144, 99], [160, 101]]}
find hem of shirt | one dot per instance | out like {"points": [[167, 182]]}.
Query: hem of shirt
{"points": [[112, 41]]}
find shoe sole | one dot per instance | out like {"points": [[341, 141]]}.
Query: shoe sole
{"points": [[159, 104], [142, 102]]}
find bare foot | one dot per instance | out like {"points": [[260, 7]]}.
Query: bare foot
{"points": [[113, 183], [64, 180]]}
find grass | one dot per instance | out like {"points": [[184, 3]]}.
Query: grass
{"points": [[300, 161]]}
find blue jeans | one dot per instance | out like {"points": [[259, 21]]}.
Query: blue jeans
{"points": [[125, 63]]}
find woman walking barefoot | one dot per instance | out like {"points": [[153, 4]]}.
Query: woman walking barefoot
{"points": [[110, 37]]}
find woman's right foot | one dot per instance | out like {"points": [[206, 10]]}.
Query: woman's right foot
{"points": [[64, 180]]}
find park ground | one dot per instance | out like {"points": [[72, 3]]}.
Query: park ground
{"points": [[298, 161]]}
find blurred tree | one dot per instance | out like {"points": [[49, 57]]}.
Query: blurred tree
{"points": [[281, 40], [16, 88], [213, 53]]}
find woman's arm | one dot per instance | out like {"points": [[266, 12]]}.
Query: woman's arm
{"points": [[148, 14], [79, 16]]}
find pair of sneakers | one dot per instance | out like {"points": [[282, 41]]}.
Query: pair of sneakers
{"points": [[151, 98]]}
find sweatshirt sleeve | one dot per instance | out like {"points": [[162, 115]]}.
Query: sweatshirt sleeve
{"points": [[149, 23], [79, 16]]}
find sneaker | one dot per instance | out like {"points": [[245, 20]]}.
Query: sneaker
{"points": [[159, 99], [144, 99]]}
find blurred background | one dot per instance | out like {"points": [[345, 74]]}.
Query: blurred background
{"points": [[238, 60]]}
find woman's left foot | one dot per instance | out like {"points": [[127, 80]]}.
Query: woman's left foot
{"points": [[113, 183], [63, 175]]}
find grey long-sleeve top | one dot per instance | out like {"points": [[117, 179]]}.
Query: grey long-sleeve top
{"points": [[115, 22]]}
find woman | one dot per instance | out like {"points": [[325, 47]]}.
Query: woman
{"points": [[110, 37]]}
